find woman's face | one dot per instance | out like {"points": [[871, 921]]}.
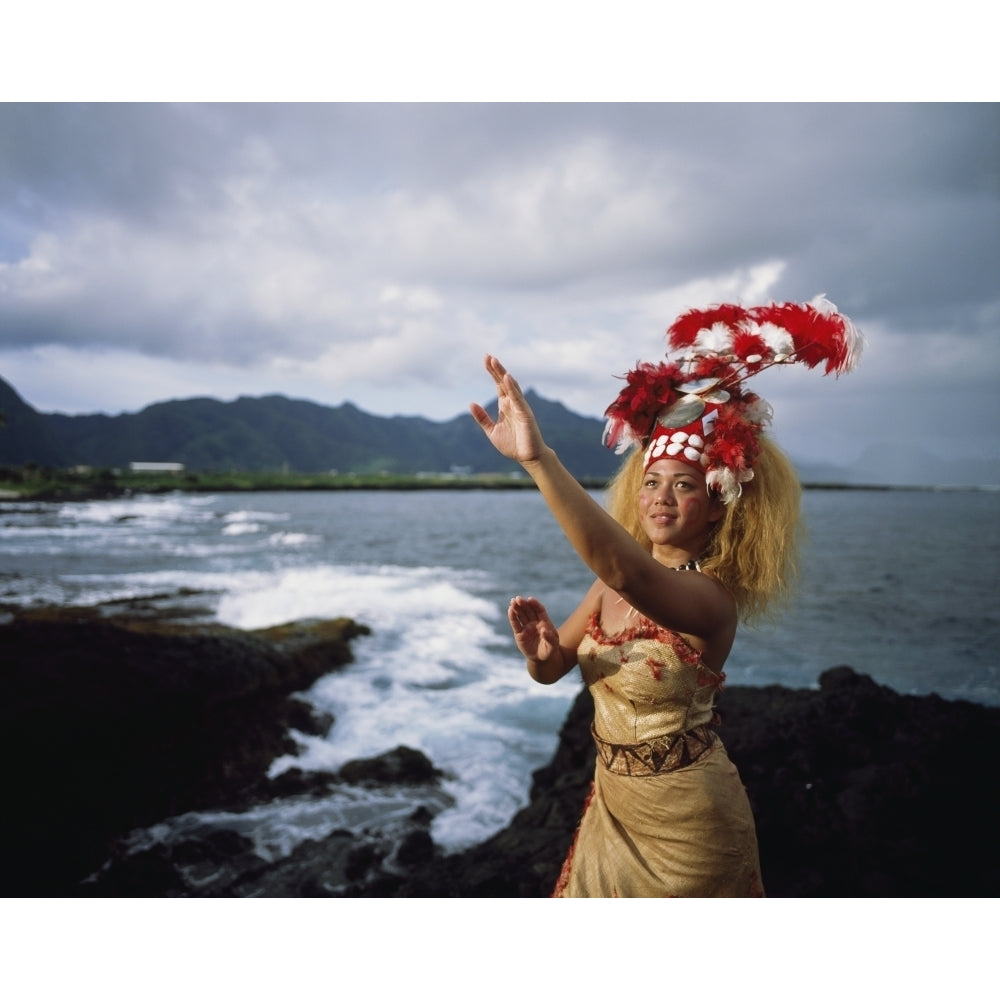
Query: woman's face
{"points": [[675, 508]]}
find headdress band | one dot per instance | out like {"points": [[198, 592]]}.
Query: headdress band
{"points": [[696, 409]]}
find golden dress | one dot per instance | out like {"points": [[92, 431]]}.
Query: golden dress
{"points": [[667, 814]]}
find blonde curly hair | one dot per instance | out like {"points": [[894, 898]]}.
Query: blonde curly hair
{"points": [[753, 549]]}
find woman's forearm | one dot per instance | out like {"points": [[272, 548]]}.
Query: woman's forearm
{"points": [[685, 602], [688, 603], [552, 669], [603, 544]]}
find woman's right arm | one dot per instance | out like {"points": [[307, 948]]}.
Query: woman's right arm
{"points": [[550, 653], [690, 603]]}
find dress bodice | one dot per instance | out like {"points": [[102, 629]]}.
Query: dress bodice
{"points": [[647, 681]]}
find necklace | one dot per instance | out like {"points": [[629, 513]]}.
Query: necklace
{"points": [[692, 564]]}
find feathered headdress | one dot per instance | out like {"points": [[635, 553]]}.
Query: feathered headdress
{"points": [[696, 409]]}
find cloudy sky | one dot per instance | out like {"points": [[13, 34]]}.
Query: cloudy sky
{"points": [[374, 252]]}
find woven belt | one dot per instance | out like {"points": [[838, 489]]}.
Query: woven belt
{"points": [[666, 753]]}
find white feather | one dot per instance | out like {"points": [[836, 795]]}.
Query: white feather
{"points": [[717, 339], [759, 411], [778, 339]]}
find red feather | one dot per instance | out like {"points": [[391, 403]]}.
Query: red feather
{"points": [[818, 337], [685, 329], [748, 345], [818, 334], [649, 389]]}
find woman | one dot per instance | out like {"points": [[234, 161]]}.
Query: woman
{"points": [[703, 533]]}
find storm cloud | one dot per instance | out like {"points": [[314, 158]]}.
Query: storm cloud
{"points": [[375, 252]]}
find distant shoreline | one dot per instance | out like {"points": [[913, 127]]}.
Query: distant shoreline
{"points": [[35, 485]]}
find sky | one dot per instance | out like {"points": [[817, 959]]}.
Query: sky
{"points": [[374, 252]]}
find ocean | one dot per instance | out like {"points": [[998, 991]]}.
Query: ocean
{"points": [[899, 584]]}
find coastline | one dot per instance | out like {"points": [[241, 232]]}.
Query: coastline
{"points": [[86, 484], [118, 721]]}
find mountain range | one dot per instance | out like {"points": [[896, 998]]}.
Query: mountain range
{"points": [[275, 433]]}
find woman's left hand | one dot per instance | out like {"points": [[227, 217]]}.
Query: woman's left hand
{"points": [[515, 432]]}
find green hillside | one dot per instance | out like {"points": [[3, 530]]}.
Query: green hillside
{"points": [[278, 434]]}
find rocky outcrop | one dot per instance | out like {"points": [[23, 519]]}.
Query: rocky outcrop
{"points": [[857, 791], [110, 724], [224, 863]]}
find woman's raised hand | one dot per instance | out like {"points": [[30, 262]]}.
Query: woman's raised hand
{"points": [[515, 431], [535, 635]]}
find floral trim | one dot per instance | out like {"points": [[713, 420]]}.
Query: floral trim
{"points": [[707, 677], [562, 882], [644, 629]]}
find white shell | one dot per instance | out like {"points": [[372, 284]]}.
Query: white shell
{"points": [[716, 396], [697, 387], [682, 413], [692, 454], [674, 448], [654, 450]]}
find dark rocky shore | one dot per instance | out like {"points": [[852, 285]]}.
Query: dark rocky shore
{"points": [[114, 721]]}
